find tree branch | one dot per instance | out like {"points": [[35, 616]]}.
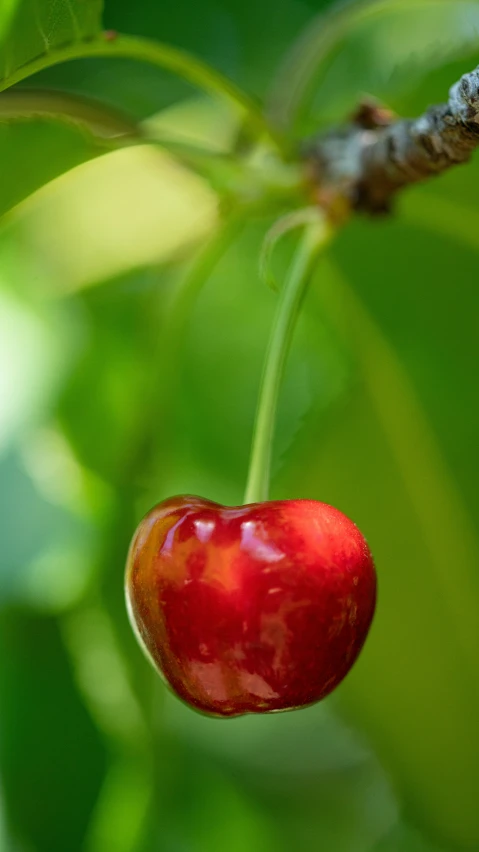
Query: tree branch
{"points": [[368, 160]]}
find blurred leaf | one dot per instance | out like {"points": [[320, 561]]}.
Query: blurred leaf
{"points": [[278, 749], [39, 150], [305, 768], [440, 214], [125, 210], [230, 36], [392, 68], [197, 120], [403, 838], [49, 568], [218, 377], [40, 147], [29, 365], [405, 37], [113, 373], [101, 675], [420, 287], [446, 525], [30, 28], [53, 760], [205, 809], [410, 690], [413, 689], [120, 817]]}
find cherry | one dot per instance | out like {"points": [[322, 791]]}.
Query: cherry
{"points": [[253, 608]]}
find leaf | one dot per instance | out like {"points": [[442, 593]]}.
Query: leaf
{"points": [[32, 28], [403, 838], [129, 209], [36, 151], [410, 690], [311, 54], [440, 214], [414, 688], [47, 570], [326, 764], [54, 132], [53, 758]]}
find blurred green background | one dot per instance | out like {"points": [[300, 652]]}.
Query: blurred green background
{"points": [[110, 402]]}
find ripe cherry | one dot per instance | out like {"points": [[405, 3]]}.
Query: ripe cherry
{"points": [[253, 608]]}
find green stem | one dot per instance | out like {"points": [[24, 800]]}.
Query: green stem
{"points": [[154, 53], [315, 238], [103, 121]]}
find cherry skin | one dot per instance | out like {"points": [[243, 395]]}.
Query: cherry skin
{"points": [[250, 609]]}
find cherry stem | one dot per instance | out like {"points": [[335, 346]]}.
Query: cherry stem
{"points": [[316, 236]]}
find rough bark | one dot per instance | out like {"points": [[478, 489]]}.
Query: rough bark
{"points": [[368, 160]]}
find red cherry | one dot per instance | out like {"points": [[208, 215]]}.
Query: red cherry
{"points": [[252, 608]]}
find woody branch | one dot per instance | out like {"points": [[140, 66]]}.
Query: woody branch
{"points": [[369, 159]]}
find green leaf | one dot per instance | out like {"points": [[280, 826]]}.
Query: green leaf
{"points": [[39, 150], [51, 780], [132, 208], [414, 688], [410, 690], [32, 28], [403, 838], [428, 32], [49, 570]]}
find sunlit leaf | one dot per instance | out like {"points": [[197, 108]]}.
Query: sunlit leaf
{"points": [[29, 365], [128, 209], [35, 151]]}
